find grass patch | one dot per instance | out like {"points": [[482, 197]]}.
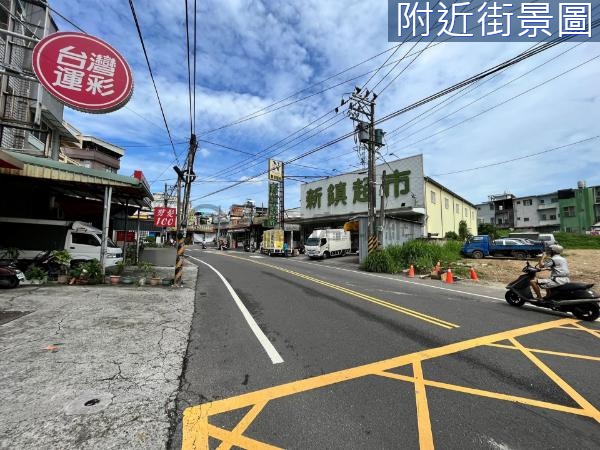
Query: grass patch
{"points": [[423, 255], [578, 241]]}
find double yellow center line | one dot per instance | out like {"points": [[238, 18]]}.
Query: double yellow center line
{"points": [[407, 311]]}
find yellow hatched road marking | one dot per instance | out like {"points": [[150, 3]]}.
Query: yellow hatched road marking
{"points": [[401, 309], [196, 429], [240, 441], [423, 419], [242, 426], [592, 332], [587, 406], [489, 394], [548, 352]]}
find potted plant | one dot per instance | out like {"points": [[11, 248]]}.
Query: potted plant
{"points": [[146, 269], [36, 275], [155, 280], [91, 272], [119, 268], [63, 259]]}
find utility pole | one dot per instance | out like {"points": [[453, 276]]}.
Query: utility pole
{"points": [[381, 208], [361, 109], [184, 177]]}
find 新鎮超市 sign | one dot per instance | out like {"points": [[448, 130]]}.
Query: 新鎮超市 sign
{"points": [[349, 193], [82, 72]]}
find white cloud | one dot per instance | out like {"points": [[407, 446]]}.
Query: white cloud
{"points": [[252, 53]]}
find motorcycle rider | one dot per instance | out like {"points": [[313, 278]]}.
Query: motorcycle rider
{"points": [[559, 275]]}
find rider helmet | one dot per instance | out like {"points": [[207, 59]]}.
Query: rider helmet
{"points": [[556, 249]]}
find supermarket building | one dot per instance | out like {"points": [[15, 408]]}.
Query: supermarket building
{"points": [[415, 206]]}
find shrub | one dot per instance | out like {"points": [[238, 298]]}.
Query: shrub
{"points": [[421, 254], [92, 271], [577, 241], [451, 235], [463, 230], [35, 273], [380, 262]]}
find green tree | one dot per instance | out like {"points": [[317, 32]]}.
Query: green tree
{"points": [[463, 230], [487, 228]]}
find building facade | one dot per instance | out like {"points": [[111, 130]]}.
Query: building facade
{"points": [[414, 206], [445, 210], [91, 152], [567, 210]]}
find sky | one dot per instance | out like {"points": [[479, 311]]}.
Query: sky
{"points": [[251, 54]]}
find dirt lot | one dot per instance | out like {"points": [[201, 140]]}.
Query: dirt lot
{"points": [[584, 266]]}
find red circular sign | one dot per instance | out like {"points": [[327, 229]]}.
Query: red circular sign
{"points": [[83, 72]]}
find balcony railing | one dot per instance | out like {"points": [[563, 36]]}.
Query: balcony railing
{"points": [[547, 206]]}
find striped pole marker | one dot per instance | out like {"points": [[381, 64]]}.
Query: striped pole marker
{"points": [[373, 243], [179, 260]]}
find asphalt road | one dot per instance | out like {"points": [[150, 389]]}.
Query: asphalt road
{"points": [[339, 358]]}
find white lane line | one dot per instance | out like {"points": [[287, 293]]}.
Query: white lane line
{"points": [[401, 281], [264, 341]]}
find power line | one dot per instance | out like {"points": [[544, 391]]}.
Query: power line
{"points": [[195, 67], [65, 19], [502, 103], [139, 31], [531, 155], [520, 57]]}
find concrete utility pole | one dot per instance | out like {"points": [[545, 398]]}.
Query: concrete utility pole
{"points": [[361, 109], [381, 208], [185, 178]]}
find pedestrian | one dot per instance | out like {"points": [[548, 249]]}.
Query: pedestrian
{"points": [[285, 249]]}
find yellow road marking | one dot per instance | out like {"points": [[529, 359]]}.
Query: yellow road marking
{"points": [[240, 441], [548, 352], [196, 429], [489, 394], [242, 426], [401, 309], [592, 332], [587, 406], [423, 420]]}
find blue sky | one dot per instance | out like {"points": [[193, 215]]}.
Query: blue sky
{"points": [[252, 53]]}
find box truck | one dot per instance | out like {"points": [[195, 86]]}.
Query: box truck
{"points": [[32, 236], [326, 243]]}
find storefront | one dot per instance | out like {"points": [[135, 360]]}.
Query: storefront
{"points": [[414, 206]]}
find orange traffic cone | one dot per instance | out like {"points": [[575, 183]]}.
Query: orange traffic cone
{"points": [[474, 275], [411, 272], [449, 277]]}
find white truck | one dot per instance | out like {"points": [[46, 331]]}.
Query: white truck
{"points": [[326, 243], [32, 236]]}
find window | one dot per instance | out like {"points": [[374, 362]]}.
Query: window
{"points": [[491, 206], [569, 211], [518, 218], [84, 239], [543, 216], [500, 208], [479, 208], [499, 221], [457, 209], [446, 203], [466, 213], [527, 202], [526, 219], [541, 201], [472, 214], [518, 202], [554, 200], [433, 197], [552, 217]]}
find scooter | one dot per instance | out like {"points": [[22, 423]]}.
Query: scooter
{"points": [[577, 298], [10, 276]]}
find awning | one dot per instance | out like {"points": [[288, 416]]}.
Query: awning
{"points": [[76, 180], [9, 162]]}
